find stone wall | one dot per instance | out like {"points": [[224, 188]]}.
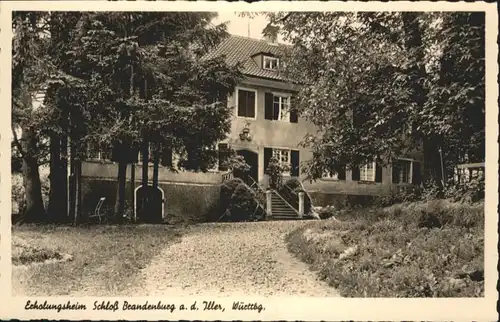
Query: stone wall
{"points": [[190, 203]]}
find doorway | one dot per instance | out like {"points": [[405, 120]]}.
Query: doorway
{"points": [[252, 159], [153, 209]]}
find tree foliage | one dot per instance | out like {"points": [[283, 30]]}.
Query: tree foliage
{"points": [[120, 79], [381, 85]]}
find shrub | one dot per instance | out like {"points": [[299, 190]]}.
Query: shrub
{"points": [[406, 194], [395, 252], [17, 192], [275, 172], [470, 192], [326, 212], [431, 190], [293, 183], [237, 201], [242, 204], [237, 164], [227, 190]]}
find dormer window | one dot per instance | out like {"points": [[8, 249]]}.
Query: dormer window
{"points": [[270, 63]]}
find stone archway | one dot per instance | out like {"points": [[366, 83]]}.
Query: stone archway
{"points": [[154, 208]]}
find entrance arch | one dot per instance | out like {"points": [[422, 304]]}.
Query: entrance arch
{"points": [[154, 208], [252, 159]]}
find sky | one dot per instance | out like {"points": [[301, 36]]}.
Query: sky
{"points": [[242, 26]]}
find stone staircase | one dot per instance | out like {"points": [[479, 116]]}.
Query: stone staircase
{"points": [[282, 210]]}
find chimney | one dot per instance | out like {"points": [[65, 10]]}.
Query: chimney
{"points": [[272, 39], [270, 34]]}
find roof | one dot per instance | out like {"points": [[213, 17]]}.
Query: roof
{"points": [[238, 49]]}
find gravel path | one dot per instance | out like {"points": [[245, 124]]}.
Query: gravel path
{"points": [[247, 259]]}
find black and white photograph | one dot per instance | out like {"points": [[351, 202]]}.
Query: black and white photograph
{"points": [[248, 153]]}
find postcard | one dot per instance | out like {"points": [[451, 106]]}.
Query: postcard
{"points": [[249, 161]]}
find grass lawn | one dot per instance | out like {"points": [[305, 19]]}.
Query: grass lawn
{"points": [[105, 259], [433, 249]]}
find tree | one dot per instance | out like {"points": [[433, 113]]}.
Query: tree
{"points": [[154, 88], [31, 71], [377, 85]]}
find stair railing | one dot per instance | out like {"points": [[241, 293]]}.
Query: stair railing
{"points": [[286, 202], [227, 176], [260, 194], [295, 201], [307, 194]]}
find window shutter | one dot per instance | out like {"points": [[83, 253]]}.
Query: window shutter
{"points": [[395, 172], [268, 152], [295, 171], [241, 103], [294, 118], [268, 106], [166, 157], [251, 104], [223, 156], [378, 172], [416, 175], [355, 173], [340, 172]]}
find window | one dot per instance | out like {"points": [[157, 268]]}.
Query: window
{"points": [[406, 171], [223, 156], [367, 172], [166, 158], [95, 152], [278, 107], [270, 63], [281, 104], [246, 103], [338, 173], [283, 156], [330, 175]]}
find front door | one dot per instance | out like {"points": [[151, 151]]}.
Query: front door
{"points": [[252, 159]]}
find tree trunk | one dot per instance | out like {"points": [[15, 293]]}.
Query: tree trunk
{"points": [[34, 210], [54, 206], [132, 182], [145, 174], [417, 75], [57, 196], [120, 193], [156, 162], [71, 183], [64, 193], [78, 191]]}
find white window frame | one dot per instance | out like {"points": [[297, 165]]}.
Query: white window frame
{"points": [[99, 156], [282, 97], [237, 100], [271, 59], [286, 173], [410, 173], [364, 170]]}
